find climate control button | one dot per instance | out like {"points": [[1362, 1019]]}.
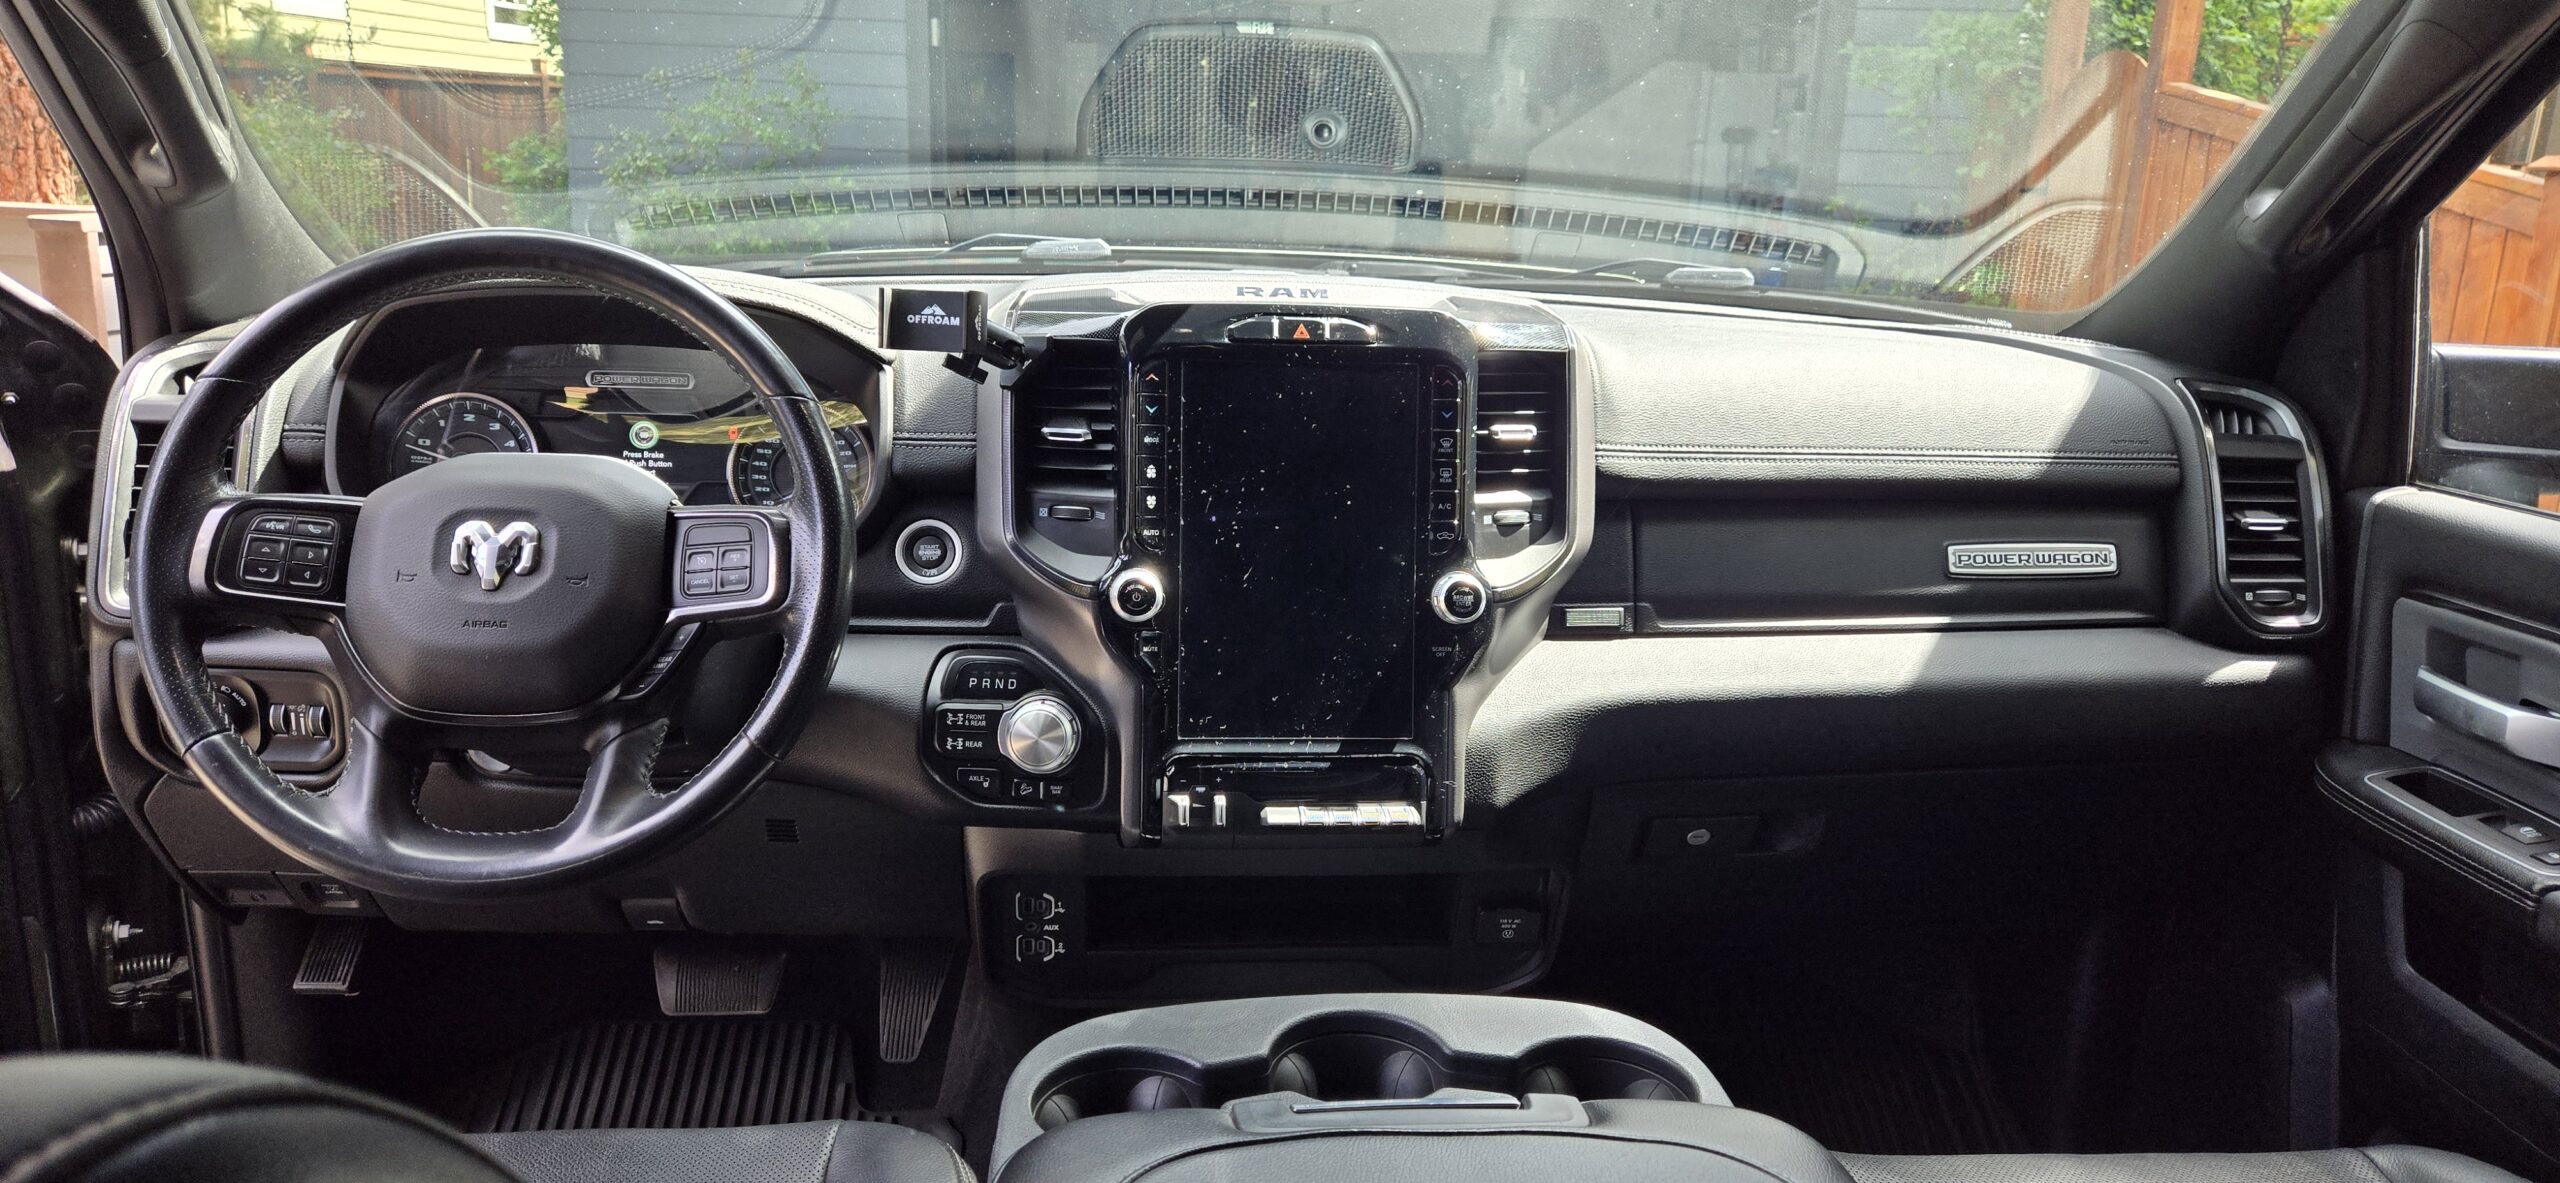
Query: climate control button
{"points": [[1136, 595]]}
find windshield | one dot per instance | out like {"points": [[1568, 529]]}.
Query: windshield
{"points": [[2002, 154]]}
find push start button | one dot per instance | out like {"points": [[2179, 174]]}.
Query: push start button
{"points": [[928, 552]]}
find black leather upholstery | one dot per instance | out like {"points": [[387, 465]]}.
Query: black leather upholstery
{"points": [[809, 1152], [1618, 1141], [2378, 1164], [158, 1119], [115, 1118]]}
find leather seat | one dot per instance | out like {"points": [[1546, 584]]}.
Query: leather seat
{"points": [[149, 1119], [808, 1152], [2373, 1164]]}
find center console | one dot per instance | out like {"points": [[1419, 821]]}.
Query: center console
{"points": [[1382, 1086], [1291, 575], [1268, 547]]}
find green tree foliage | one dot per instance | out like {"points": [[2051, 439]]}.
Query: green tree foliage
{"points": [[1980, 73], [739, 127], [333, 181]]}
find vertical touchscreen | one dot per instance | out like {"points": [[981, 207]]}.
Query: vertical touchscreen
{"points": [[1299, 538]]}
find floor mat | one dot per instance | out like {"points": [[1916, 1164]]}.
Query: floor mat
{"points": [[1862, 1086], [672, 1074]]}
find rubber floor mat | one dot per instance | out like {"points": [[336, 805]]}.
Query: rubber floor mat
{"points": [[676, 1074], [1866, 1088]]}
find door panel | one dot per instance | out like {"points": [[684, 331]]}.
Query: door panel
{"points": [[2448, 783]]}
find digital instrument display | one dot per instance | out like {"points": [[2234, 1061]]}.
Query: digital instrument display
{"points": [[682, 414], [1300, 502]]}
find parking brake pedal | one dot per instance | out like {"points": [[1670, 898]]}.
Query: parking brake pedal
{"points": [[329, 958], [717, 978]]}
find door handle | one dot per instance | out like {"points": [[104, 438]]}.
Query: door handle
{"points": [[2522, 731]]}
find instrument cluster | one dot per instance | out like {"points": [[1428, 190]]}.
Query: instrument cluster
{"points": [[679, 413]]}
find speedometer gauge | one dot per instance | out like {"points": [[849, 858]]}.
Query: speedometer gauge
{"points": [[758, 474], [457, 425]]}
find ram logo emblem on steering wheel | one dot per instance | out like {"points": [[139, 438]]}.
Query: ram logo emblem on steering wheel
{"points": [[492, 552]]}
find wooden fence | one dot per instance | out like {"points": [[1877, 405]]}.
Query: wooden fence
{"points": [[2494, 246]]}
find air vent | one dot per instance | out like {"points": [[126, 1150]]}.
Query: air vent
{"points": [[2230, 420], [2269, 510], [146, 444], [1520, 425], [2265, 551], [1067, 445]]}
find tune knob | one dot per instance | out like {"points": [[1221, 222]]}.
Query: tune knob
{"points": [[1136, 595], [1039, 734]]}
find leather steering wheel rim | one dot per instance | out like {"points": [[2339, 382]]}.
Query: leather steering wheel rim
{"points": [[369, 833]]}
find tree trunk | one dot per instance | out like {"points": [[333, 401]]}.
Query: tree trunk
{"points": [[33, 165]]}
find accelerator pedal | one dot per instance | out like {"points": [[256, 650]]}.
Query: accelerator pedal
{"points": [[330, 957], [698, 978], [911, 977]]}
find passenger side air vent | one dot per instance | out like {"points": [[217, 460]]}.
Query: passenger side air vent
{"points": [[2268, 508], [2228, 420], [1521, 418], [1067, 446]]}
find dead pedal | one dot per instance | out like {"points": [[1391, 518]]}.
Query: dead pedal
{"points": [[911, 977], [330, 957], [717, 978]]}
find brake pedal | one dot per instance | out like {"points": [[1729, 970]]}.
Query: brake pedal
{"points": [[911, 977], [717, 978], [330, 957]]}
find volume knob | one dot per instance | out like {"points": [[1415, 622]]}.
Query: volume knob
{"points": [[1039, 734], [1136, 595]]}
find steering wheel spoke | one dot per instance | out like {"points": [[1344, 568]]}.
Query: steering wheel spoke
{"points": [[277, 554]]}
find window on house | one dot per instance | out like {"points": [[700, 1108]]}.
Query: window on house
{"points": [[511, 20]]}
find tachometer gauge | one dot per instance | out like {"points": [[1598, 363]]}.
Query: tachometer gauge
{"points": [[758, 475], [457, 425]]}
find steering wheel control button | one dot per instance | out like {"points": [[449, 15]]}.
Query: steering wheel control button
{"points": [[1459, 597], [1136, 595], [263, 547], [928, 552], [1040, 735], [261, 571]]}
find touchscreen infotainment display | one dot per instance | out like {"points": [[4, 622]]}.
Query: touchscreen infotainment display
{"points": [[1300, 536]]}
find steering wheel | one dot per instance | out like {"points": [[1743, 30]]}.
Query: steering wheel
{"points": [[502, 603]]}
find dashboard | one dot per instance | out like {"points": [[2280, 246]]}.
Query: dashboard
{"points": [[1333, 625]]}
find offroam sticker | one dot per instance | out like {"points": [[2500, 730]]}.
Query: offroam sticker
{"points": [[2048, 560]]}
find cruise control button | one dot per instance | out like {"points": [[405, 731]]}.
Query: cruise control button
{"points": [[701, 583], [734, 581], [702, 558], [733, 558]]}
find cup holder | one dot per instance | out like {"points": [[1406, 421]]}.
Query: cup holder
{"points": [[1352, 1057]]}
